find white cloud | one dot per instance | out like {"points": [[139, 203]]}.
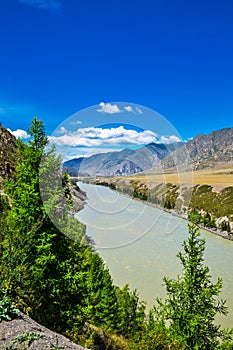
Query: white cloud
{"points": [[19, 134], [108, 108], [128, 109], [43, 4], [96, 137], [62, 130], [138, 110], [170, 139]]}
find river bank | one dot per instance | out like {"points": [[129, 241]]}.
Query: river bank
{"points": [[79, 197], [180, 210], [216, 232]]}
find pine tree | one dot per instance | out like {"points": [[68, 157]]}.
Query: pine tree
{"points": [[100, 302], [131, 312], [189, 311]]}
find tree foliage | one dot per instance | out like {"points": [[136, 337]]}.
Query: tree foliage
{"points": [[189, 311]]}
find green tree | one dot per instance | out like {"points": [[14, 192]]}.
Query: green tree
{"points": [[189, 311], [39, 139], [131, 312], [36, 256], [4, 209], [100, 302], [194, 216], [225, 226]]}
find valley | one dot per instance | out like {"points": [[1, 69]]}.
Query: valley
{"points": [[215, 177], [146, 237], [221, 177]]}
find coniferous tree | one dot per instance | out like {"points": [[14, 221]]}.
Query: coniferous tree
{"points": [[189, 311], [36, 255], [131, 312], [100, 306]]}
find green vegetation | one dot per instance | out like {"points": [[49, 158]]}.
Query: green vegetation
{"points": [[217, 204], [125, 188], [205, 220], [56, 346], [140, 190], [191, 305], [171, 196], [25, 341], [7, 309], [165, 195], [111, 185], [201, 204], [29, 338], [50, 273]]}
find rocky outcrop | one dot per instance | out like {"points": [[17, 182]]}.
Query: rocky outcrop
{"points": [[8, 153], [24, 333], [203, 151], [78, 196]]}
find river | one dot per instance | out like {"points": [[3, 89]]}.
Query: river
{"points": [[139, 244]]}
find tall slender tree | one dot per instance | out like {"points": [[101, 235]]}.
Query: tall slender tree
{"points": [[189, 311]]}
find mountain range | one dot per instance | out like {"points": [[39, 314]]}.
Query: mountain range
{"points": [[125, 162], [203, 151]]}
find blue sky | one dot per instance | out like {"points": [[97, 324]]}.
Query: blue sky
{"points": [[173, 56]]}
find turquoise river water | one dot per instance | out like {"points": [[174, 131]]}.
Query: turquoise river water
{"points": [[139, 244]]}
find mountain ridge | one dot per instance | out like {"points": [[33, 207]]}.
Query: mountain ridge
{"points": [[203, 151], [124, 162]]}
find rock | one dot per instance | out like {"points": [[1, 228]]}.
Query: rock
{"points": [[24, 325]]}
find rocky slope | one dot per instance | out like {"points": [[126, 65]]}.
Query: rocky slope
{"points": [[8, 155], [24, 333], [203, 151]]}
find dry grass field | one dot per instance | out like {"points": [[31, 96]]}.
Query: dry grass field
{"points": [[222, 177]]}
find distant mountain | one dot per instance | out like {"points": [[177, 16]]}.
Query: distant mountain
{"points": [[203, 151], [120, 163]]}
